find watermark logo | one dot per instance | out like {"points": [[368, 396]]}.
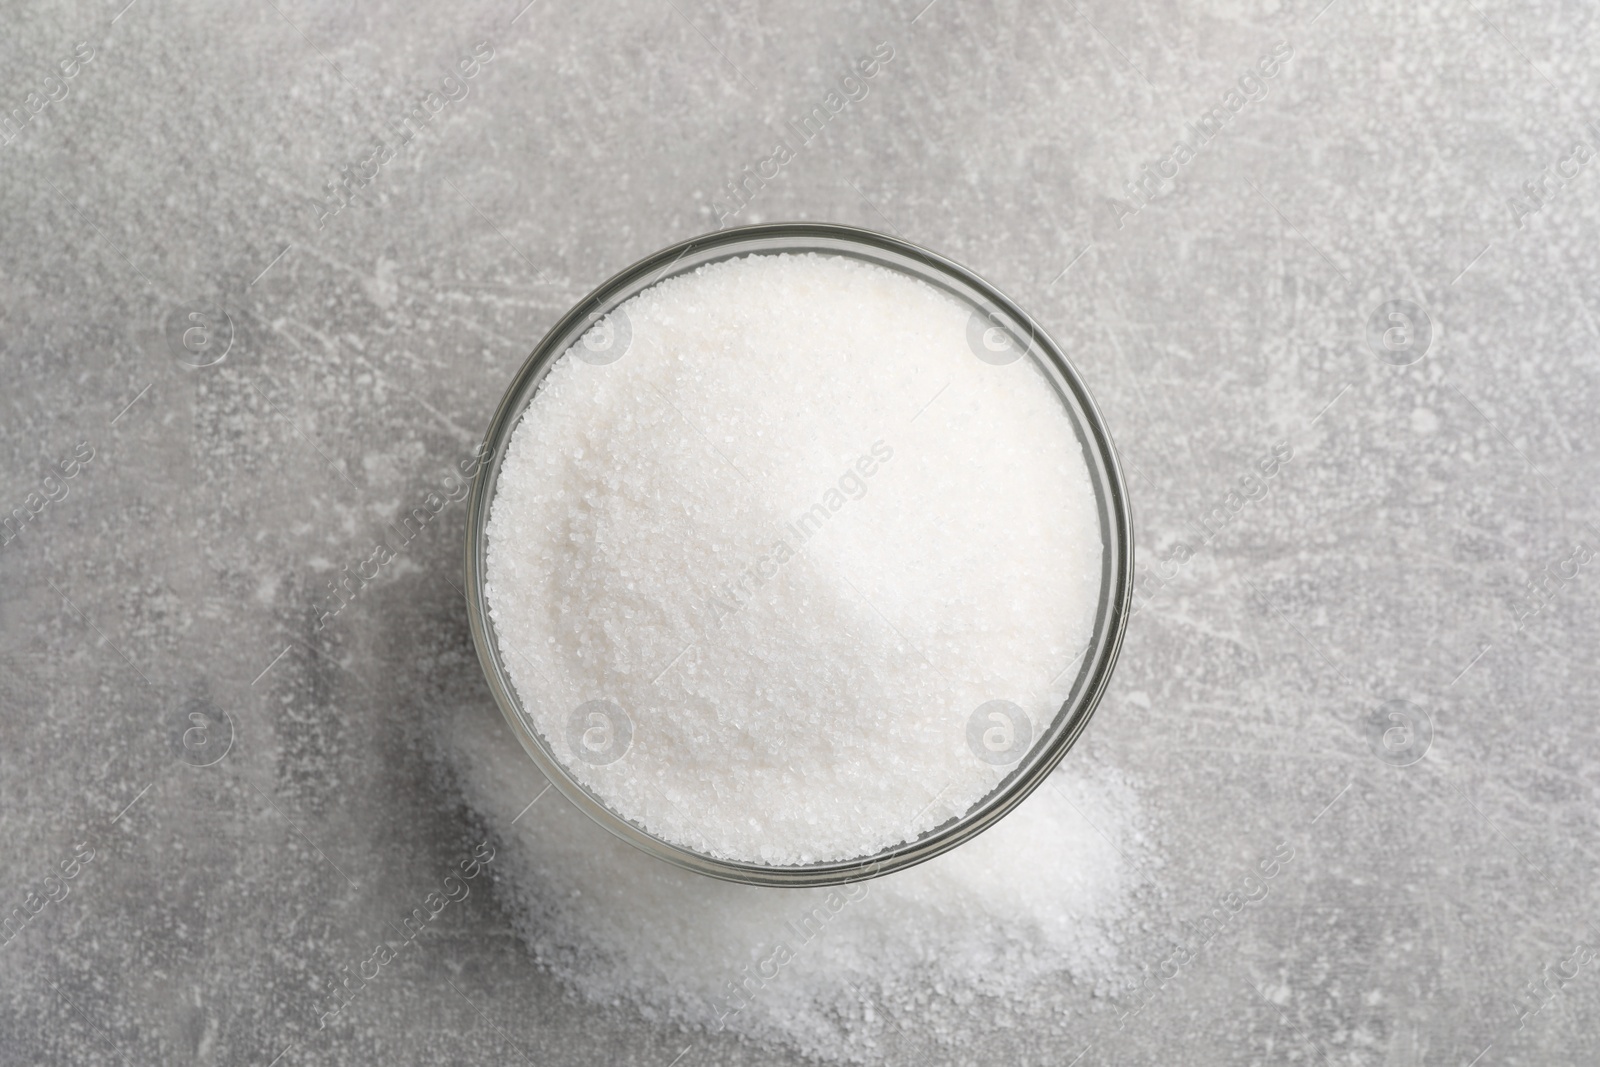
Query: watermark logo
{"points": [[199, 337], [798, 133], [999, 732], [202, 733], [1156, 181], [1545, 187], [1551, 581], [741, 990], [51, 489], [51, 889], [1540, 993], [996, 338], [608, 339], [1249, 488], [735, 595], [16, 115], [1399, 332], [353, 579], [599, 732], [348, 983], [1398, 732], [422, 108], [1196, 935]]}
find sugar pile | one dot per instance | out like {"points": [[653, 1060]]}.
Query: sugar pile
{"points": [[753, 578], [949, 953]]}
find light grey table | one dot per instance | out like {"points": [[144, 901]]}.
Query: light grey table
{"points": [[254, 789]]}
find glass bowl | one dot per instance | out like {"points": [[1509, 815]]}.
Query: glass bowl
{"points": [[999, 330]]}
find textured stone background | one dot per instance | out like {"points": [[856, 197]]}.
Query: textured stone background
{"points": [[1389, 560]]}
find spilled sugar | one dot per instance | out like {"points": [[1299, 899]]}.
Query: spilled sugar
{"points": [[988, 931], [754, 578]]}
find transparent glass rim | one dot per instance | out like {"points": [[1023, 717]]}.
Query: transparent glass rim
{"points": [[1111, 493]]}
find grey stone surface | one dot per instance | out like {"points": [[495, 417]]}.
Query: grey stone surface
{"points": [[259, 794]]}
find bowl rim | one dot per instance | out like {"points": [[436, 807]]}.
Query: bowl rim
{"points": [[1100, 454]]}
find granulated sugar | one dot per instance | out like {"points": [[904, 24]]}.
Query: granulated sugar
{"points": [[754, 578], [987, 936]]}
